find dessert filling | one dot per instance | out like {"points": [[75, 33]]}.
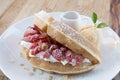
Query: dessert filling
{"points": [[42, 46]]}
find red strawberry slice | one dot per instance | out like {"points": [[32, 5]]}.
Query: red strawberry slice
{"points": [[43, 37], [30, 31], [69, 56], [47, 54], [53, 47], [33, 45], [63, 49], [33, 38], [57, 54], [79, 59], [36, 50]]}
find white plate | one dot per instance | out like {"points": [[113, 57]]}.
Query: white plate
{"points": [[10, 50]]}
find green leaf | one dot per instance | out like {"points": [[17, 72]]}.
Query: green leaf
{"points": [[102, 25], [94, 17]]}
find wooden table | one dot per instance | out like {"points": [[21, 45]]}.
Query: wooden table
{"points": [[14, 10]]}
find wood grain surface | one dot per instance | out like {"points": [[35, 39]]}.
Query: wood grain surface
{"points": [[12, 11]]}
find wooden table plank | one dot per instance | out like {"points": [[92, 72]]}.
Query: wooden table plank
{"points": [[29, 9], [11, 14], [53, 5], [5, 5], [115, 15], [101, 7]]}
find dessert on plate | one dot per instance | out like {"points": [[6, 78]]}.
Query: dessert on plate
{"points": [[56, 47]]}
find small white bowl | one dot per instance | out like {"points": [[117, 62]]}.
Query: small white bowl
{"points": [[72, 18]]}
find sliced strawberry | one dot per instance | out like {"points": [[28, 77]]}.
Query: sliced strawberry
{"points": [[69, 56], [79, 59], [36, 50], [47, 54], [57, 54], [63, 49], [33, 38], [43, 39], [27, 39], [30, 31], [33, 45]]}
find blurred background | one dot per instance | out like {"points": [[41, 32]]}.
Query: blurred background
{"points": [[12, 11]]}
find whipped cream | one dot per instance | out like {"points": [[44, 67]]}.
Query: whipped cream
{"points": [[86, 60], [25, 44], [51, 58]]}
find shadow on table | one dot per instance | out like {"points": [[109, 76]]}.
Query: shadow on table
{"points": [[117, 77]]}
